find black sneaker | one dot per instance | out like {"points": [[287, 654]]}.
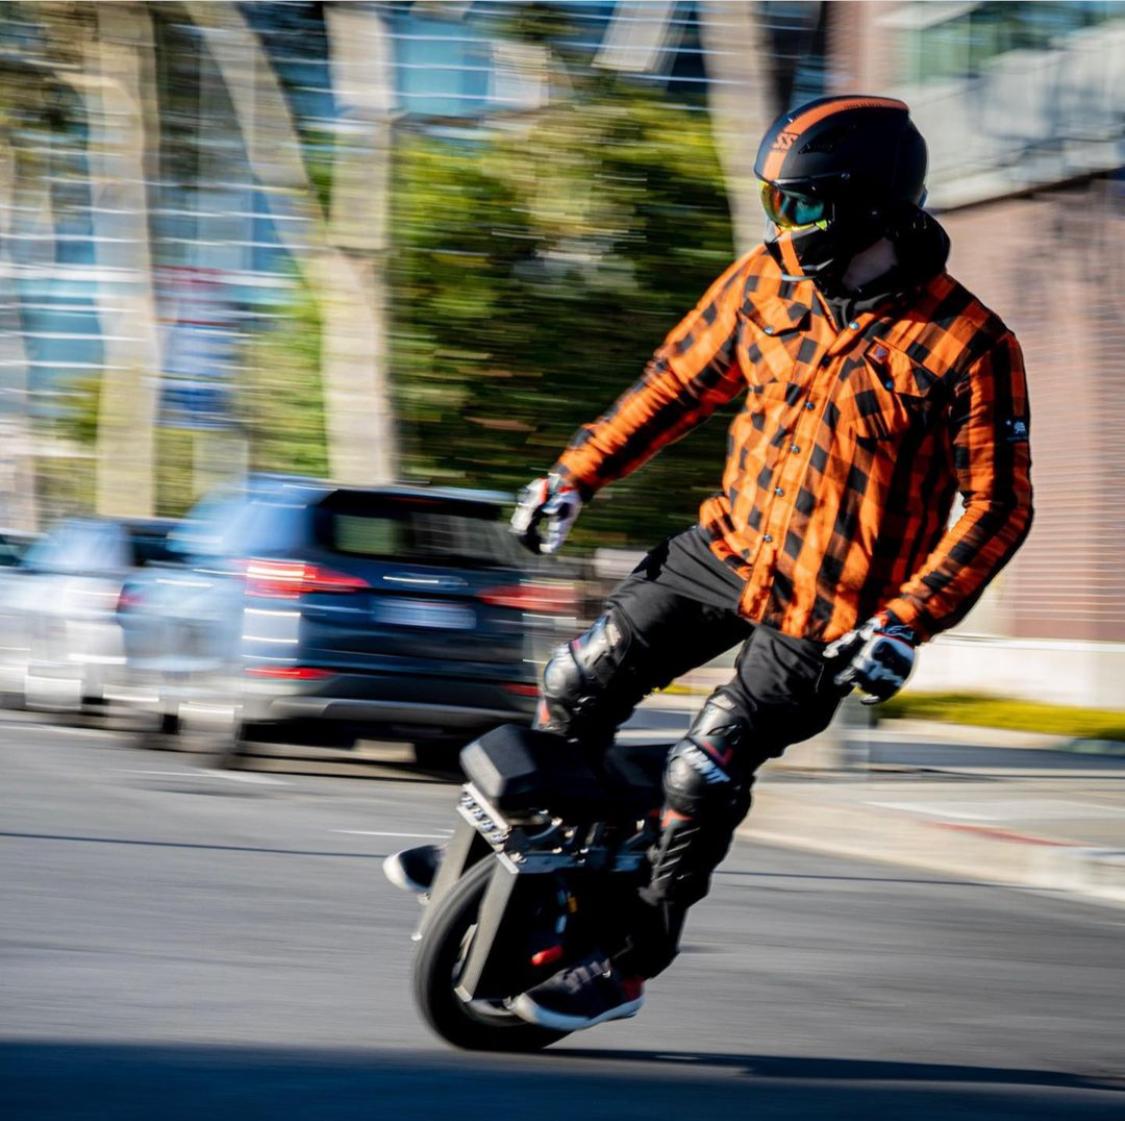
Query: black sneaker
{"points": [[591, 992], [414, 869]]}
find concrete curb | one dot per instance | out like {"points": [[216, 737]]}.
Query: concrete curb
{"points": [[978, 735], [799, 818]]}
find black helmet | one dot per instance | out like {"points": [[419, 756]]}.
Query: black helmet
{"points": [[836, 175]]}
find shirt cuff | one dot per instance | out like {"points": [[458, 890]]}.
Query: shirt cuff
{"points": [[586, 490], [909, 614]]}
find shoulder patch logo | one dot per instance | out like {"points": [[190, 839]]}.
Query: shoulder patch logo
{"points": [[1015, 430]]}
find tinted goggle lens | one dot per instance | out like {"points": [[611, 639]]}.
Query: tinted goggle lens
{"points": [[789, 210]]}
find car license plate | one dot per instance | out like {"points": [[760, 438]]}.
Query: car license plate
{"points": [[425, 613]]}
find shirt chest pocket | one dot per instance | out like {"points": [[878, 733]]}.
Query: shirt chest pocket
{"points": [[770, 341], [887, 393]]}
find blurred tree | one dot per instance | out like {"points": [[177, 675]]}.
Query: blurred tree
{"points": [[341, 266], [24, 102], [536, 270], [105, 52], [358, 409], [741, 102]]}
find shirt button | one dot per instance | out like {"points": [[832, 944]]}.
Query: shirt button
{"points": [[778, 491], [768, 330], [888, 385], [768, 537], [794, 448], [853, 325], [809, 405]]}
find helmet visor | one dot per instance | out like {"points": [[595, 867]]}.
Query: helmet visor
{"points": [[790, 211]]}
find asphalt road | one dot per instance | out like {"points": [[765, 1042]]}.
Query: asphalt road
{"points": [[178, 943]]}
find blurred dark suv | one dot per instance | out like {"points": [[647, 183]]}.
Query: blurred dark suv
{"points": [[326, 613]]}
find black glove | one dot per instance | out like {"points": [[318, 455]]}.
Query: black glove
{"points": [[876, 657]]}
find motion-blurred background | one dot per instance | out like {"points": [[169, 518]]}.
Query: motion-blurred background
{"points": [[293, 296], [422, 242]]}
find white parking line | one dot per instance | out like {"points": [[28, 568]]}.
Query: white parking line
{"points": [[209, 772], [1040, 809], [381, 833], [59, 729], [239, 776]]}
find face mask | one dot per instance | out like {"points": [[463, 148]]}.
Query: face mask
{"points": [[812, 238]]}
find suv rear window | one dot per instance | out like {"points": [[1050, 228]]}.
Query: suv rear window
{"points": [[426, 531], [231, 526]]}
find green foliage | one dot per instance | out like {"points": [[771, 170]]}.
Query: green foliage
{"points": [[280, 395], [1005, 712], [64, 485], [80, 400], [175, 462], [535, 272]]}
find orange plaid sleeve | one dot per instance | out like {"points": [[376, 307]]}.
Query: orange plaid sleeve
{"points": [[993, 466], [692, 374]]}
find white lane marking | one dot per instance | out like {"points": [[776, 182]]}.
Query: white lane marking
{"points": [[209, 772], [381, 833]]}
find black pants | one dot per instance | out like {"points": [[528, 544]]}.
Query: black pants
{"points": [[680, 607], [674, 613]]}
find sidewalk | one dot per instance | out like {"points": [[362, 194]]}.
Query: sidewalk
{"points": [[1057, 825], [988, 804]]}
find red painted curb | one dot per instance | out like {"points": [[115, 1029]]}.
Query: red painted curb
{"points": [[1004, 834]]}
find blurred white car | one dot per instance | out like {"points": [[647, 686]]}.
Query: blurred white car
{"points": [[60, 639]]}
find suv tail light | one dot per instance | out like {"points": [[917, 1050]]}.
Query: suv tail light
{"points": [[288, 673], [539, 599], [291, 579]]}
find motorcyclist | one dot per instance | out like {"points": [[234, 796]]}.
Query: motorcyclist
{"points": [[877, 387]]}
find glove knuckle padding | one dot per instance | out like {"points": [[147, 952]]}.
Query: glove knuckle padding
{"points": [[887, 659], [586, 681]]}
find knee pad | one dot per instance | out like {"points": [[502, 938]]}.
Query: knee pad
{"points": [[706, 794], [585, 683], [705, 770]]}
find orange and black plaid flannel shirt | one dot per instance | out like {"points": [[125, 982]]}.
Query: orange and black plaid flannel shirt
{"points": [[844, 463]]}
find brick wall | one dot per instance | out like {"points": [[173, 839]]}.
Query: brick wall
{"points": [[1053, 267]]}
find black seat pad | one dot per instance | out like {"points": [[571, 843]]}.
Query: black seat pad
{"points": [[517, 768], [636, 771]]}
